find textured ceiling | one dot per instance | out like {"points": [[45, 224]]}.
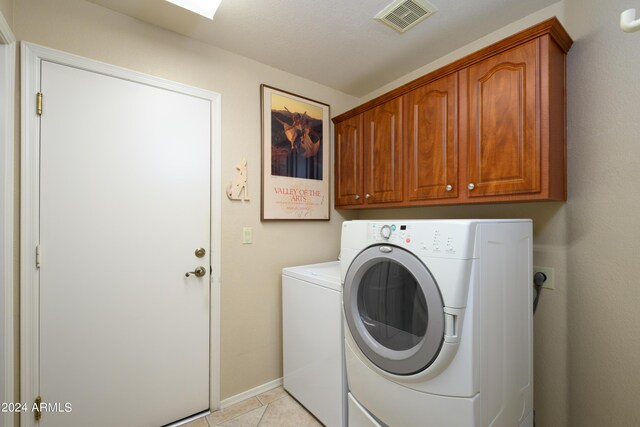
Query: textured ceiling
{"points": [[333, 42]]}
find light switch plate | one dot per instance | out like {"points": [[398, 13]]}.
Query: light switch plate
{"points": [[247, 235]]}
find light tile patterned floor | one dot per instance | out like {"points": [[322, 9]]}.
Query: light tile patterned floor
{"points": [[273, 408]]}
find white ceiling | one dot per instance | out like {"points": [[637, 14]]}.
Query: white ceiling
{"points": [[333, 42]]}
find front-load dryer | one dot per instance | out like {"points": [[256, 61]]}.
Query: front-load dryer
{"points": [[438, 322]]}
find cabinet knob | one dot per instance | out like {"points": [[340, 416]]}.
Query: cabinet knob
{"points": [[471, 186], [367, 196], [449, 187], [357, 196]]}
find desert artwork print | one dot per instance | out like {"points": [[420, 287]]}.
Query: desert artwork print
{"points": [[295, 150], [296, 138]]}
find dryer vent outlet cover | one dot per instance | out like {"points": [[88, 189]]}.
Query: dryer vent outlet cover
{"points": [[404, 14]]}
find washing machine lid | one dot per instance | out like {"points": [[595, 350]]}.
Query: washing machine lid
{"points": [[325, 274], [393, 309]]}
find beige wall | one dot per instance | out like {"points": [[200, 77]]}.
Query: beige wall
{"points": [[586, 341], [251, 316], [6, 7], [586, 338], [603, 246]]}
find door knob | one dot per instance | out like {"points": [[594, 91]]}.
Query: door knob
{"points": [[449, 187], [471, 186], [199, 272]]}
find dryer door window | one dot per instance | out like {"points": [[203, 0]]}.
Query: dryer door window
{"points": [[394, 309], [392, 306]]}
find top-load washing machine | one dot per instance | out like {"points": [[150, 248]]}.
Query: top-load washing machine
{"points": [[438, 322], [312, 340]]}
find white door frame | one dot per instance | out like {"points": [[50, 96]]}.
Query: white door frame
{"points": [[32, 55], [7, 98]]}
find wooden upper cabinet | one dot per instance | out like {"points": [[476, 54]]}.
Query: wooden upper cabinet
{"points": [[431, 136], [383, 153], [349, 181], [503, 139], [489, 127]]}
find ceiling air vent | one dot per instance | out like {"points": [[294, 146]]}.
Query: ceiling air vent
{"points": [[404, 14]]}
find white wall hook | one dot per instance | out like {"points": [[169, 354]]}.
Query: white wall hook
{"points": [[628, 21]]}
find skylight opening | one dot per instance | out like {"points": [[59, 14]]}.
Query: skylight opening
{"points": [[206, 8]]}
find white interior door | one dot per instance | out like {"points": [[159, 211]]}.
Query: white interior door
{"points": [[124, 203]]}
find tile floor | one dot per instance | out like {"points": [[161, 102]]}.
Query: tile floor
{"points": [[273, 408]]}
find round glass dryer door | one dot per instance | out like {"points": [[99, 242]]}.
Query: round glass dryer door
{"points": [[394, 309]]}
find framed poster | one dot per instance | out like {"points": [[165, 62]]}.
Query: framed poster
{"points": [[295, 156]]}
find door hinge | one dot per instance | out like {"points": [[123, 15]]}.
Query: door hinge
{"points": [[39, 103], [38, 256], [37, 412]]}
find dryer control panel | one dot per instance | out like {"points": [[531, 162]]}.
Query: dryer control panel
{"points": [[445, 239]]}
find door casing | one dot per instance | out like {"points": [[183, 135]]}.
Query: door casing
{"points": [[31, 57], [7, 158]]}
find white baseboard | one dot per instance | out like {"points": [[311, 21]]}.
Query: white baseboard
{"points": [[250, 393]]}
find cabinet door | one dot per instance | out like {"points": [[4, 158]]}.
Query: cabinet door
{"points": [[431, 135], [504, 145], [348, 162], [383, 152]]}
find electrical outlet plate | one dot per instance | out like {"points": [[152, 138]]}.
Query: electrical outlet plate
{"points": [[549, 272]]}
